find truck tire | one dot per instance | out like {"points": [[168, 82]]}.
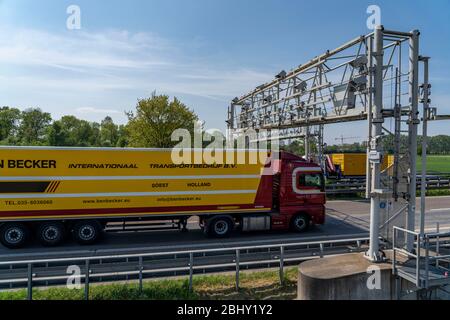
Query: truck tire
{"points": [[87, 232], [219, 227], [300, 222], [14, 235], [51, 234]]}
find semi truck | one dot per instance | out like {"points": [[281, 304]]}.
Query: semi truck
{"points": [[341, 165], [50, 193]]}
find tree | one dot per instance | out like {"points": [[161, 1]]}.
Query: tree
{"points": [[122, 140], [155, 120], [33, 127], [295, 147], [57, 135], [86, 135], [9, 124], [109, 133], [70, 131], [95, 139]]}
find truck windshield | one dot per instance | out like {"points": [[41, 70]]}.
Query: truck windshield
{"points": [[312, 180]]}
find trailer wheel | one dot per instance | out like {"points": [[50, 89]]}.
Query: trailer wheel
{"points": [[87, 232], [14, 235], [51, 234], [300, 222], [219, 227]]}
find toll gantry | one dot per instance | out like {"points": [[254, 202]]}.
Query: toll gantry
{"points": [[372, 78]]}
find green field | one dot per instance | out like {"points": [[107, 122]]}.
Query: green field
{"points": [[435, 164]]}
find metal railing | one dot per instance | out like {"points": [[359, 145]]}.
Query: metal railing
{"points": [[140, 265], [425, 261], [358, 184]]}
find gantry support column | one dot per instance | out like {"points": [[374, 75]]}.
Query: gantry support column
{"points": [[426, 108], [369, 116], [412, 131], [373, 254]]}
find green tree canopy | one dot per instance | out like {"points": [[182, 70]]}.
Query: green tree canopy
{"points": [[109, 133], [9, 124], [34, 127], [70, 131], [155, 119]]}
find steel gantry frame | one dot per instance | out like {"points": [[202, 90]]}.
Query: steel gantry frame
{"points": [[374, 78]]}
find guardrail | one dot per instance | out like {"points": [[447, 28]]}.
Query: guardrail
{"points": [[110, 268], [358, 184]]}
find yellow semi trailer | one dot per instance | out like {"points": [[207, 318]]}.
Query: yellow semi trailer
{"points": [[51, 191], [354, 164]]}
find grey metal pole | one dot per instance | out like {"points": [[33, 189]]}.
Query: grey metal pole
{"points": [[191, 270], [427, 258], [321, 143], [412, 130], [141, 267], [373, 253], [418, 258], [237, 269], [307, 143], [30, 282], [437, 244], [86, 281], [397, 131], [281, 265], [231, 112], [424, 144], [369, 115], [398, 287], [394, 251]]}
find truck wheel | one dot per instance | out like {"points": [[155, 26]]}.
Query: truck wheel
{"points": [[300, 223], [51, 234], [87, 232], [219, 227], [14, 235]]}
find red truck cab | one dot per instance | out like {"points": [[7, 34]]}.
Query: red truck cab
{"points": [[295, 189]]}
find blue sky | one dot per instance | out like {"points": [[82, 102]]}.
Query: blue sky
{"points": [[204, 52]]}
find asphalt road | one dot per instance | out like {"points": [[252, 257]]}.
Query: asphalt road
{"points": [[357, 213], [345, 219]]}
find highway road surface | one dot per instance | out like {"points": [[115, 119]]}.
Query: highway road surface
{"points": [[345, 219], [357, 213]]}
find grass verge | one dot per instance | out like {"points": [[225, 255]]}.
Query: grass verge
{"points": [[435, 164], [436, 193], [258, 285]]}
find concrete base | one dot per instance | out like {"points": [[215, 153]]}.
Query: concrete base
{"points": [[344, 277]]}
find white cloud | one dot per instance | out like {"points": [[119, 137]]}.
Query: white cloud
{"points": [[81, 50], [111, 60], [88, 110], [107, 71]]}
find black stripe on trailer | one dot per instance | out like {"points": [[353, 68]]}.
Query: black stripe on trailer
{"points": [[24, 186]]}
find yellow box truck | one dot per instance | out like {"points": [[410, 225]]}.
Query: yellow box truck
{"points": [[50, 192]]}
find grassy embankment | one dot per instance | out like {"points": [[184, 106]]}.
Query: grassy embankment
{"points": [[436, 165], [439, 165], [257, 285]]}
